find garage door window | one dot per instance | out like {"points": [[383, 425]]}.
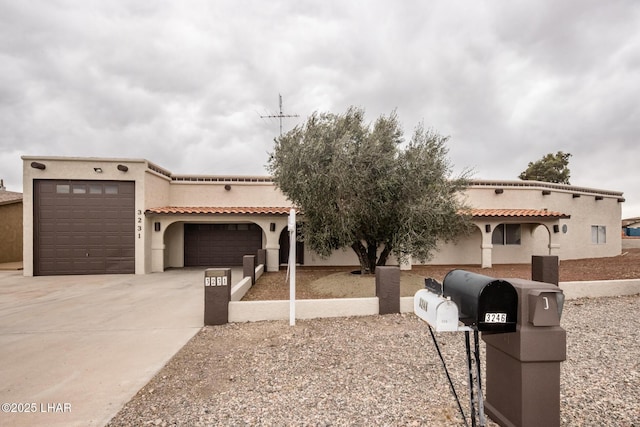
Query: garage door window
{"points": [[110, 189], [62, 188]]}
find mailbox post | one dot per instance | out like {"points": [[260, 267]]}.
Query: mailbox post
{"points": [[217, 294], [523, 367]]}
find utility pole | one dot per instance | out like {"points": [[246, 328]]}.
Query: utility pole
{"points": [[280, 115]]}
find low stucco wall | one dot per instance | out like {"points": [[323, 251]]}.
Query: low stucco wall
{"points": [[602, 288], [633, 243], [256, 311]]}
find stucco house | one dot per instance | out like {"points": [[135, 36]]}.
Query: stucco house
{"points": [[10, 225], [109, 215]]}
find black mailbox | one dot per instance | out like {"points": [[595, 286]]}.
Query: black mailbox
{"points": [[484, 302]]}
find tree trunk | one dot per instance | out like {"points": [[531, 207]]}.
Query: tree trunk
{"points": [[363, 256], [384, 255]]}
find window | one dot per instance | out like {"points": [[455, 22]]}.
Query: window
{"points": [[506, 234], [598, 234], [110, 189], [62, 188]]}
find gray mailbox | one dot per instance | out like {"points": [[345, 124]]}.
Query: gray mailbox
{"points": [[523, 367], [217, 294], [484, 302]]}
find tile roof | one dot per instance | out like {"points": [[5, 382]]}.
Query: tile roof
{"points": [[274, 210], [517, 213], [209, 210]]}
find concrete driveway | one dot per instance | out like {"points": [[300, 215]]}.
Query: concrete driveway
{"points": [[75, 349]]}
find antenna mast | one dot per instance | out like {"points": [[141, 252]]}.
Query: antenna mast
{"points": [[280, 115]]}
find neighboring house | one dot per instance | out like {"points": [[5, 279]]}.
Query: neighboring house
{"points": [[631, 227], [10, 225], [103, 215]]}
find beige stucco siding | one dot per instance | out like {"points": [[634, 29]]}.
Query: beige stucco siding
{"points": [[11, 232], [254, 194], [569, 238]]}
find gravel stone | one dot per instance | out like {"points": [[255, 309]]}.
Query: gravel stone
{"points": [[377, 370]]}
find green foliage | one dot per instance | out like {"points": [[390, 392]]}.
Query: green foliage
{"points": [[551, 168], [358, 188]]}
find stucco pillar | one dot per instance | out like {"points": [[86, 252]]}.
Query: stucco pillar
{"points": [[554, 241], [487, 250], [272, 246], [554, 249], [273, 258], [486, 247], [157, 252]]}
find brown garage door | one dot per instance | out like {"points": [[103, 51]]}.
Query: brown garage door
{"points": [[84, 227], [220, 245]]}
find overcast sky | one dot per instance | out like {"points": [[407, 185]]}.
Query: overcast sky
{"points": [[184, 83]]}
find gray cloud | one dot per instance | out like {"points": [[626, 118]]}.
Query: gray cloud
{"points": [[185, 84]]}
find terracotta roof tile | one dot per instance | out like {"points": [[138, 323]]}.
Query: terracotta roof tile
{"points": [[517, 213], [218, 210]]}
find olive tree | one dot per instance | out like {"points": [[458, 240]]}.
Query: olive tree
{"points": [[360, 186]]}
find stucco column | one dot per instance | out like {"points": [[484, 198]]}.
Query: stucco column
{"points": [[273, 258], [554, 240], [486, 248], [272, 244], [157, 251]]}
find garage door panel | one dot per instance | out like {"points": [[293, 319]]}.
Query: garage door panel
{"points": [[76, 218], [220, 245]]}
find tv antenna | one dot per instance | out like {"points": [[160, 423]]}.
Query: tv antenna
{"points": [[280, 115]]}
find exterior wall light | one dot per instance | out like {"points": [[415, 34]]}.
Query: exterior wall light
{"points": [[487, 228], [37, 165], [156, 226], [227, 187], [123, 168], [98, 170]]}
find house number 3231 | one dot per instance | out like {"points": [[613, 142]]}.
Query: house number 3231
{"points": [[139, 223]]}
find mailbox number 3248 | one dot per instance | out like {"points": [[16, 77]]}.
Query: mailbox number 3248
{"points": [[495, 317]]}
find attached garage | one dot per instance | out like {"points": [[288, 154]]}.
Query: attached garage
{"points": [[220, 245], [84, 227]]}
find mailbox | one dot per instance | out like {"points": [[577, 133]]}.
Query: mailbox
{"points": [[484, 302], [439, 312], [217, 294], [523, 368]]}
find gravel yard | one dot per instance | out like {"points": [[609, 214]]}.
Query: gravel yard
{"points": [[377, 370], [384, 370]]}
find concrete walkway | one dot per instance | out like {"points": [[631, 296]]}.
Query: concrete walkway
{"points": [[75, 349]]}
